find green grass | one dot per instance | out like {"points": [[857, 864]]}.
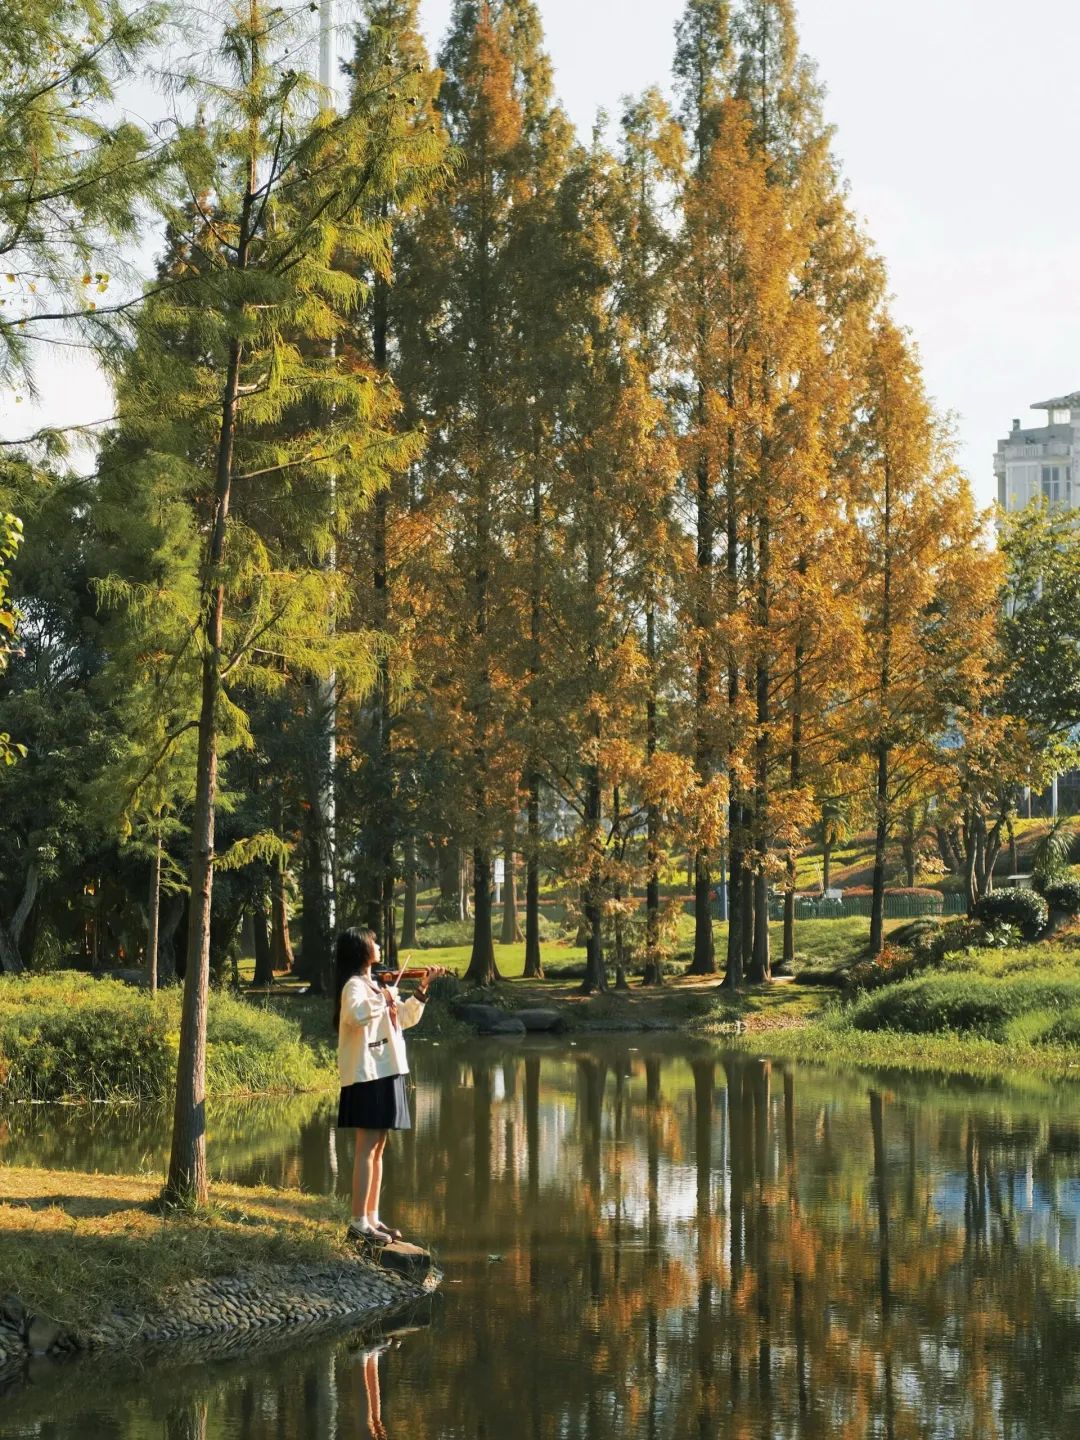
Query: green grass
{"points": [[980, 1011], [68, 1035], [832, 1043], [820, 946]]}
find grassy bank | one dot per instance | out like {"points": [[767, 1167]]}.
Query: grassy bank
{"points": [[68, 1035], [832, 1041], [978, 1011], [72, 1246]]}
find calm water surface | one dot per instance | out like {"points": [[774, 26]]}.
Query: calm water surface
{"points": [[651, 1240]]}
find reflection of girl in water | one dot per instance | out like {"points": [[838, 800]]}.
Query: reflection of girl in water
{"points": [[369, 1019], [372, 1396]]}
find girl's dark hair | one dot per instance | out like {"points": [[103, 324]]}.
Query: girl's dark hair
{"points": [[354, 955]]}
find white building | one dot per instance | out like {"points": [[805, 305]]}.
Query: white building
{"points": [[1042, 461]]}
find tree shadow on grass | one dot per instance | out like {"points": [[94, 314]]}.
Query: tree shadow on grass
{"points": [[78, 1207]]}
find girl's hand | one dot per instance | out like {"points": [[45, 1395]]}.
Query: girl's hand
{"points": [[432, 972], [391, 1007]]}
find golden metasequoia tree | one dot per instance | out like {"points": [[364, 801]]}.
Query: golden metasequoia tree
{"points": [[497, 105], [928, 582]]}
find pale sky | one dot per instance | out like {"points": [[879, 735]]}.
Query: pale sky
{"points": [[955, 120]]}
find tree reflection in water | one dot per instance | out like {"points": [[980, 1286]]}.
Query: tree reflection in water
{"points": [[667, 1241]]}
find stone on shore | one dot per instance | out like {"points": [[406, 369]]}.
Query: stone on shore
{"points": [[489, 1019], [541, 1020]]}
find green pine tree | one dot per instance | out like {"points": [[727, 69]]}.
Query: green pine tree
{"points": [[71, 175], [284, 439]]}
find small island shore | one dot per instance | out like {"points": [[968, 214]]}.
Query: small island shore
{"points": [[94, 1263]]}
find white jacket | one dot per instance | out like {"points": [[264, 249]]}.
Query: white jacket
{"points": [[369, 1046]]}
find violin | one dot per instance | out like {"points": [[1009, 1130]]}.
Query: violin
{"points": [[384, 976]]}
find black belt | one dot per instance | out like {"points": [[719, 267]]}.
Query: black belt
{"points": [[374, 1044]]}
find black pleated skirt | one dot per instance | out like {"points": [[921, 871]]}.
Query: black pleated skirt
{"points": [[375, 1105]]}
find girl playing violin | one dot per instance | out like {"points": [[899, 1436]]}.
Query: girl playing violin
{"points": [[370, 1019]]}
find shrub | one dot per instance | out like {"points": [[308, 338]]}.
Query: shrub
{"points": [[916, 931], [893, 964], [969, 1004], [951, 938], [1064, 895], [71, 1036], [1022, 908]]}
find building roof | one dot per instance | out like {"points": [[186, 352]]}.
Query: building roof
{"points": [[1062, 402]]}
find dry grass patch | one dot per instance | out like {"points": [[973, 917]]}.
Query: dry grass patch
{"points": [[74, 1246]]}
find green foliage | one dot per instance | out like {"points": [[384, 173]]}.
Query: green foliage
{"points": [[69, 1036], [1064, 895], [955, 936], [1034, 1007], [1041, 617], [73, 173], [10, 539], [1050, 853], [1025, 909]]}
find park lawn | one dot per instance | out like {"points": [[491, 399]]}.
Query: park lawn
{"points": [[694, 1004], [73, 1246], [819, 945]]}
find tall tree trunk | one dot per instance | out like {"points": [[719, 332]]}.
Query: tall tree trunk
{"points": [[465, 883], [187, 1178], [704, 956], [281, 951], [409, 939], [153, 923], [796, 781], [264, 964], [761, 966], [733, 975], [382, 873], [592, 910], [654, 966], [617, 895], [11, 962], [737, 898], [827, 844], [993, 850], [533, 964], [451, 890], [320, 898], [789, 912], [482, 967], [881, 833], [595, 974], [747, 915], [881, 836], [534, 968], [511, 930], [907, 848], [387, 928]]}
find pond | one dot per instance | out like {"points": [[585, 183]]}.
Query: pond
{"points": [[646, 1238]]}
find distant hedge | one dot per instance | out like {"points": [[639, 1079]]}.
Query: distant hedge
{"points": [[69, 1036]]}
